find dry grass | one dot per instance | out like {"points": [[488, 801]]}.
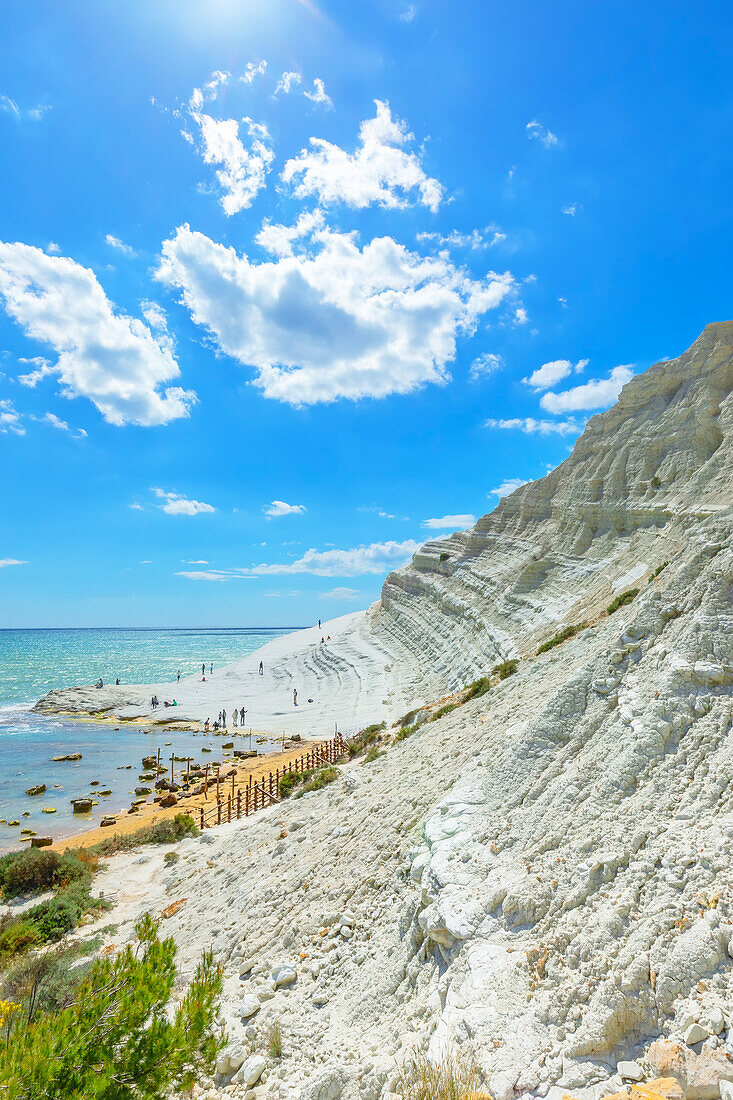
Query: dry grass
{"points": [[274, 1038], [455, 1077]]}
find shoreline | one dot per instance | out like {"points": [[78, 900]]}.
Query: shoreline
{"points": [[150, 813]]}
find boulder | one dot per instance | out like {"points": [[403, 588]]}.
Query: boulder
{"points": [[250, 1007], [48, 810], [81, 805], [326, 1086], [668, 1087], [142, 790], [700, 1075], [41, 841], [283, 975], [169, 799], [107, 821], [695, 1033], [630, 1071], [250, 1071], [38, 789], [229, 1060]]}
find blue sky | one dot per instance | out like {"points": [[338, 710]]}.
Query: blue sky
{"points": [[287, 288]]}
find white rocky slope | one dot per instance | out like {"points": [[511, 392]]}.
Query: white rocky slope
{"points": [[542, 876]]}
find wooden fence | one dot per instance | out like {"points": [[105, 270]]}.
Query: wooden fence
{"points": [[267, 791]]}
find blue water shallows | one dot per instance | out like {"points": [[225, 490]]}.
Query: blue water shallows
{"points": [[33, 662]]}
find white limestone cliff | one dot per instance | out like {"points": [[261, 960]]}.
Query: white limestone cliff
{"points": [[543, 875]]}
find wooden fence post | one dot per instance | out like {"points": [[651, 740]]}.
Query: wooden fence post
{"points": [[201, 811]]}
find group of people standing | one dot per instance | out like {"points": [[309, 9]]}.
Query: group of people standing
{"points": [[221, 722]]}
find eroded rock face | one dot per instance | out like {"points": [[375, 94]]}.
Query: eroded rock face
{"points": [[543, 875]]}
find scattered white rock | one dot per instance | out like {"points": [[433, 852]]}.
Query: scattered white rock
{"points": [[630, 1071]]}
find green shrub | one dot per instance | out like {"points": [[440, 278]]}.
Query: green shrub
{"points": [[36, 869], [477, 688], [372, 755], [406, 719], [568, 632], [168, 831], [361, 740], [621, 601], [171, 857], [658, 570], [442, 711], [17, 936], [403, 734], [288, 783], [316, 780], [119, 1038], [506, 668], [275, 1039]]}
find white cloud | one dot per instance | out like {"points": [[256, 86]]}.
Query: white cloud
{"points": [[341, 593], [177, 505], [508, 487], [278, 240], [287, 82], [5, 562], [212, 575], [380, 171], [136, 506], [599, 393], [408, 13], [520, 316], [538, 132], [10, 419], [53, 248], [571, 209], [549, 374], [42, 368], [530, 426], [10, 107], [155, 315], [485, 364], [252, 70], [54, 421], [198, 561], [319, 94], [377, 558], [478, 239], [455, 523], [242, 171], [115, 242], [280, 508], [335, 320], [106, 356]]}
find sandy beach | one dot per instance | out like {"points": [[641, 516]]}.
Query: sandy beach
{"points": [[253, 770]]}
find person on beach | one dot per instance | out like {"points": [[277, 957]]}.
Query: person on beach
{"points": [[219, 717], [262, 668], [242, 713], [224, 718], [211, 669], [206, 724], [203, 670], [319, 624], [295, 697], [179, 676], [235, 718], [117, 681]]}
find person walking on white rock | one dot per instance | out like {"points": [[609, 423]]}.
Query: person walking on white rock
{"points": [[295, 697], [261, 668]]}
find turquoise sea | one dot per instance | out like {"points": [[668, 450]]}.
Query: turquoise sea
{"points": [[33, 662]]}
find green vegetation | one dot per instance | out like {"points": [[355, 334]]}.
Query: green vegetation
{"points": [[455, 1077], [506, 668], [168, 831], [621, 601], [274, 1037], [568, 632], [406, 719], [117, 1037], [658, 570], [404, 733], [476, 689], [35, 870], [361, 741], [372, 755], [315, 779], [442, 711]]}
